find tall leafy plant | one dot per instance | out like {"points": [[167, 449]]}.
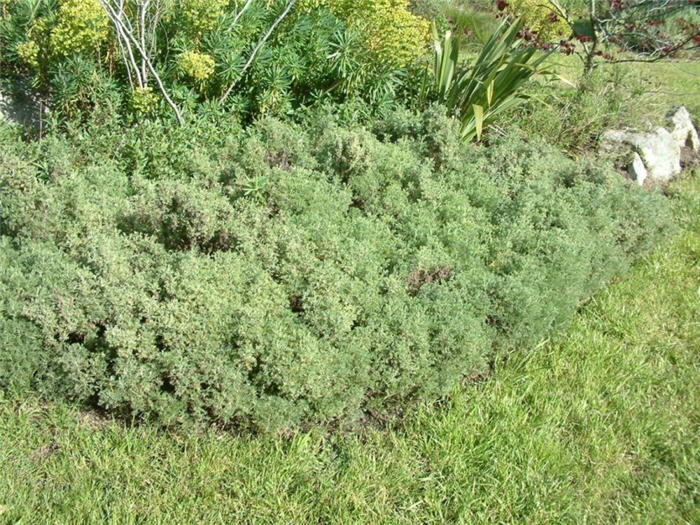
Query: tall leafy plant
{"points": [[477, 94]]}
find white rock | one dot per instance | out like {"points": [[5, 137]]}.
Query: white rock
{"points": [[3, 106], [659, 151], [682, 128], [610, 139], [637, 170], [661, 154]]}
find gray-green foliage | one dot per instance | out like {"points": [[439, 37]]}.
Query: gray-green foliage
{"points": [[293, 275]]}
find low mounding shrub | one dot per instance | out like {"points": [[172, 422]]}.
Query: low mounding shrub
{"points": [[293, 275]]}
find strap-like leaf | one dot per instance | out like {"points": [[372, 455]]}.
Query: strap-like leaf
{"points": [[478, 119], [491, 84]]}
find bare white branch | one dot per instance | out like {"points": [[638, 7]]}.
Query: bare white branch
{"points": [[124, 29], [259, 46]]}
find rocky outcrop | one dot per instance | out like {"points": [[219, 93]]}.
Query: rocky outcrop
{"points": [[637, 170], [654, 157], [682, 128]]}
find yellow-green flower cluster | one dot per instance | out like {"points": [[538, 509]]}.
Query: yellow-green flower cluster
{"points": [[143, 100], [28, 52], [198, 66], [390, 29], [395, 32], [308, 5], [201, 15], [540, 19], [81, 26]]}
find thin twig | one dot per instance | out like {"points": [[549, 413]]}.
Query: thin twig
{"points": [[238, 15], [258, 47]]}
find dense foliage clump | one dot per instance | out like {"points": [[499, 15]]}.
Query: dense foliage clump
{"points": [[254, 58], [392, 32], [289, 274]]}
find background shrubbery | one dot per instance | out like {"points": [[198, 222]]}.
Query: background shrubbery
{"points": [[293, 274], [322, 51]]}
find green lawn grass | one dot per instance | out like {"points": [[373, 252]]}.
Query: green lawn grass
{"points": [[621, 96], [663, 84], [599, 426]]}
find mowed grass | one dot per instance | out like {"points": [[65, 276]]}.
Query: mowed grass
{"points": [[598, 426]]}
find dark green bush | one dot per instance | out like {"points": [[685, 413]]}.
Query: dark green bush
{"points": [[293, 275]]}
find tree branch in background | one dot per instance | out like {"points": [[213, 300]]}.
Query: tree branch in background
{"points": [[632, 25], [239, 14]]}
